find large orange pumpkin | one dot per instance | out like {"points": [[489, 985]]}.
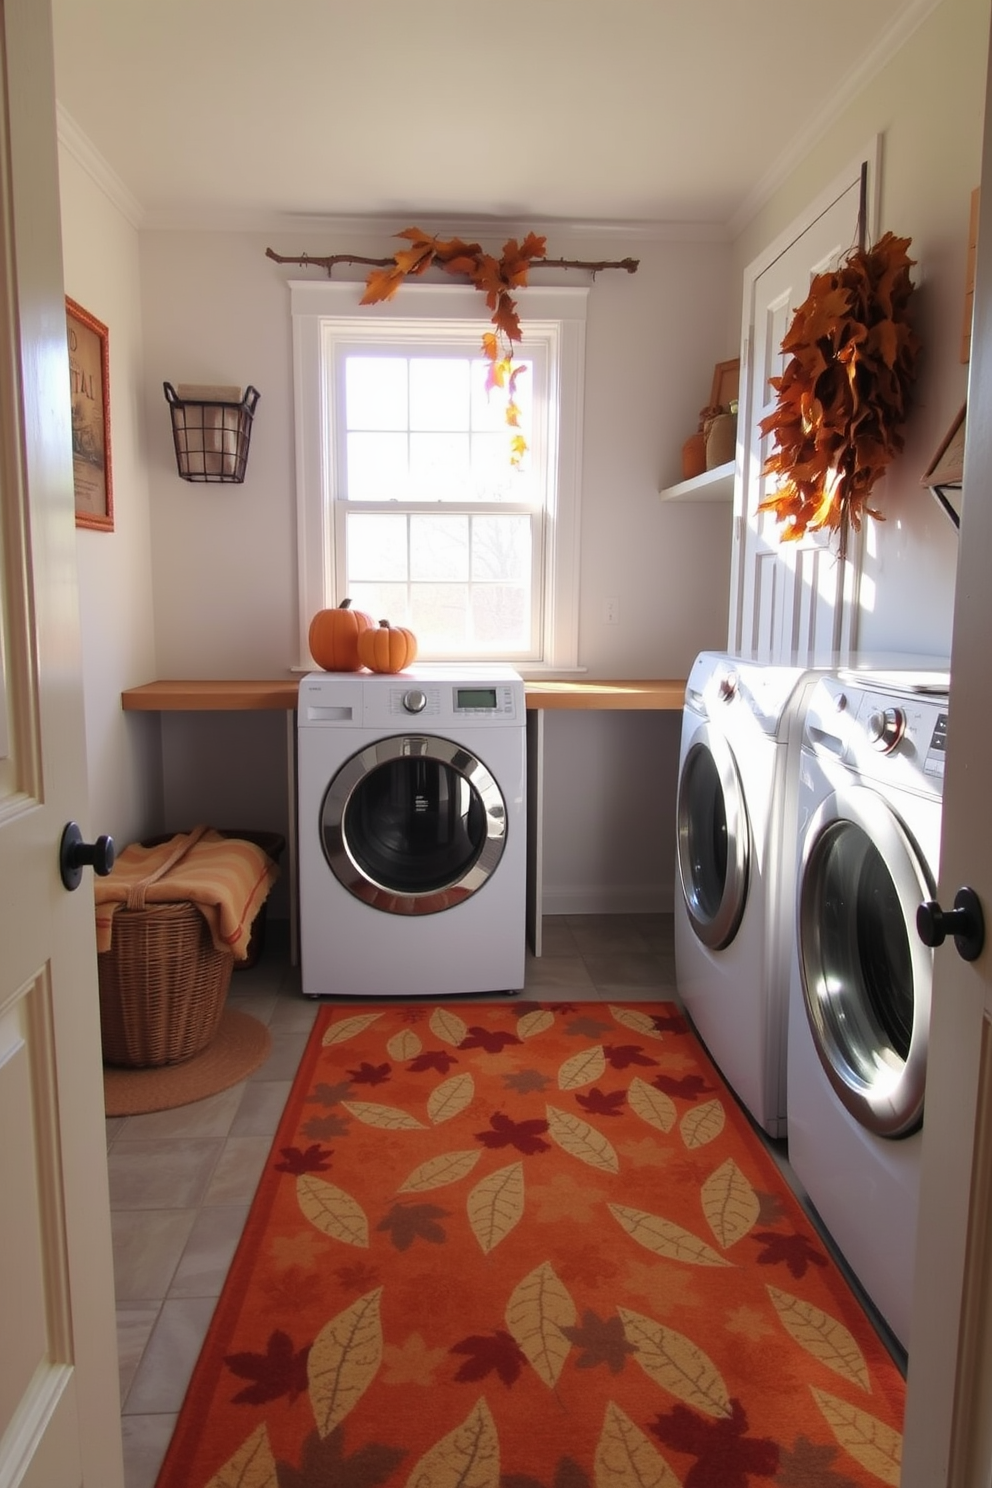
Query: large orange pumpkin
{"points": [[334, 636], [388, 649]]}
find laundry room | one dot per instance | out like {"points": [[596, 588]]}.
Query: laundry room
{"points": [[203, 579], [685, 795]]}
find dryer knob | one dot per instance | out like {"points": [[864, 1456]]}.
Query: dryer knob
{"points": [[415, 701], [886, 728]]}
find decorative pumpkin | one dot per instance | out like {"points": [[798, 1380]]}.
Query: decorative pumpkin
{"points": [[334, 636], [388, 649]]}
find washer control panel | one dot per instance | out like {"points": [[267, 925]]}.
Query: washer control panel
{"points": [[434, 695]]}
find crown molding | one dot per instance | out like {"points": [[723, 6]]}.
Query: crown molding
{"points": [[910, 17], [379, 224], [77, 144]]}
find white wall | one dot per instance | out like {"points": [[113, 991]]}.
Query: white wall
{"points": [[101, 259], [927, 105], [215, 309]]}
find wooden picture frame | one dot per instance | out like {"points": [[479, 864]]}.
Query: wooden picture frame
{"points": [[947, 466], [88, 343], [726, 384]]}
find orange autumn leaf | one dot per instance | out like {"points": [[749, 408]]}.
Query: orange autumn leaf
{"points": [[843, 396], [495, 278], [382, 284]]}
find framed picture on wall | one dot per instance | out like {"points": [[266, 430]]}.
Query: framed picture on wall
{"points": [[89, 386]]}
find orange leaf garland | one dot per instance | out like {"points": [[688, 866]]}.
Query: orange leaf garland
{"points": [[844, 394], [494, 277]]}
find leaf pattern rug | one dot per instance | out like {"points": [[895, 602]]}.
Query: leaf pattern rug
{"points": [[526, 1245]]}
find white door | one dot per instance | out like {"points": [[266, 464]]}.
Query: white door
{"points": [[793, 602], [59, 1403], [948, 1437]]}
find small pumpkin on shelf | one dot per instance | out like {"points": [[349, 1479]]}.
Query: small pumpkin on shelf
{"points": [[389, 648], [333, 637]]}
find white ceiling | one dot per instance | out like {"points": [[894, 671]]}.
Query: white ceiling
{"points": [[242, 112]]}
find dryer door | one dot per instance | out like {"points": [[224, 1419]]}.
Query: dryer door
{"points": [[413, 824], [865, 973], [714, 846]]}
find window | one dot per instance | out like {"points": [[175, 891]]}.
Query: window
{"points": [[407, 500]]}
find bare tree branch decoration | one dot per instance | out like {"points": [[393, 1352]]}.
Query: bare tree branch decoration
{"points": [[495, 277]]}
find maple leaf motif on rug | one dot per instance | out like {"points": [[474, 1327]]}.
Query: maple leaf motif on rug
{"points": [[529, 1246]]}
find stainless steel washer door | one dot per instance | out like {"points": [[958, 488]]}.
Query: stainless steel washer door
{"points": [[866, 976], [714, 847], [413, 824]]}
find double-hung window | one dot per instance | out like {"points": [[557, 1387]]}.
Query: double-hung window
{"points": [[408, 501]]}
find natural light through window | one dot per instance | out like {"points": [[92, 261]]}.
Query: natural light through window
{"points": [[408, 500], [423, 431]]}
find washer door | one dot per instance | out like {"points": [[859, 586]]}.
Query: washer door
{"points": [[413, 824], [865, 973], [714, 843]]}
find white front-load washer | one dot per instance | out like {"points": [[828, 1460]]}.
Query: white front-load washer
{"points": [[412, 831], [735, 815], [870, 794]]}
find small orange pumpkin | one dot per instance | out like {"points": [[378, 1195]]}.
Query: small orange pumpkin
{"points": [[388, 649], [334, 635]]}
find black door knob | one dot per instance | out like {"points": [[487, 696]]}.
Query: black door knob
{"points": [[75, 855], [965, 922]]}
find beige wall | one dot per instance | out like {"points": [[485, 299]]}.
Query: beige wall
{"points": [[101, 259]]}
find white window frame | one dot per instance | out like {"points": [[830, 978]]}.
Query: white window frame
{"points": [[555, 314]]}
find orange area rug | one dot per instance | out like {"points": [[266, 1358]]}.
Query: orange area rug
{"points": [[526, 1245]]}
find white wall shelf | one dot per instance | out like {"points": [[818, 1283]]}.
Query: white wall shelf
{"points": [[713, 485]]}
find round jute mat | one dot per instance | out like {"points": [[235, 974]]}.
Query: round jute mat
{"points": [[239, 1046]]}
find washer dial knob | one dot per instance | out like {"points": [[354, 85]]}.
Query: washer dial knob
{"points": [[415, 701], [886, 728]]}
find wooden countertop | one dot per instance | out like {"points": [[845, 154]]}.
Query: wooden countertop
{"points": [[281, 694]]}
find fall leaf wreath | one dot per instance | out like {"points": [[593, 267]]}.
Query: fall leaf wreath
{"points": [[844, 394]]}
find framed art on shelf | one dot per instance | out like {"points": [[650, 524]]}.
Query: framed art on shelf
{"points": [[89, 386], [945, 472], [726, 383]]}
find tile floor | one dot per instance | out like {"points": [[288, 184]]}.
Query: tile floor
{"points": [[181, 1181]]}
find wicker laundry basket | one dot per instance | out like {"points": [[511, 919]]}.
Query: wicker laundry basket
{"points": [[162, 986]]}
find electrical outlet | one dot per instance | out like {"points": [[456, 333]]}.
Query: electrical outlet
{"points": [[611, 612]]}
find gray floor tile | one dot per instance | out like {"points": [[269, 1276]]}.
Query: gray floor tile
{"points": [[145, 1441], [238, 1170], [209, 1251], [261, 1107], [170, 1354], [164, 1174], [148, 1244], [134, 1326]]}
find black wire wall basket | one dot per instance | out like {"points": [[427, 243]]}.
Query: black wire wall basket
{"points": [[211, 429]]}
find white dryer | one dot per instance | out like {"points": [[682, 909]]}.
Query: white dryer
{"points": [[870, 795], [412, 832], [735, 817]]}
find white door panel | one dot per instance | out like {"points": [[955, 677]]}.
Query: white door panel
{"points": [[791, 602], [59, 1402], [948, 1442]]}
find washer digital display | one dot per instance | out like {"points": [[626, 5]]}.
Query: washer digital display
{"points": [[475, 697]]}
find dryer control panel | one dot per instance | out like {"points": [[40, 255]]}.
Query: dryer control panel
{"points": [[900, 738]]}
